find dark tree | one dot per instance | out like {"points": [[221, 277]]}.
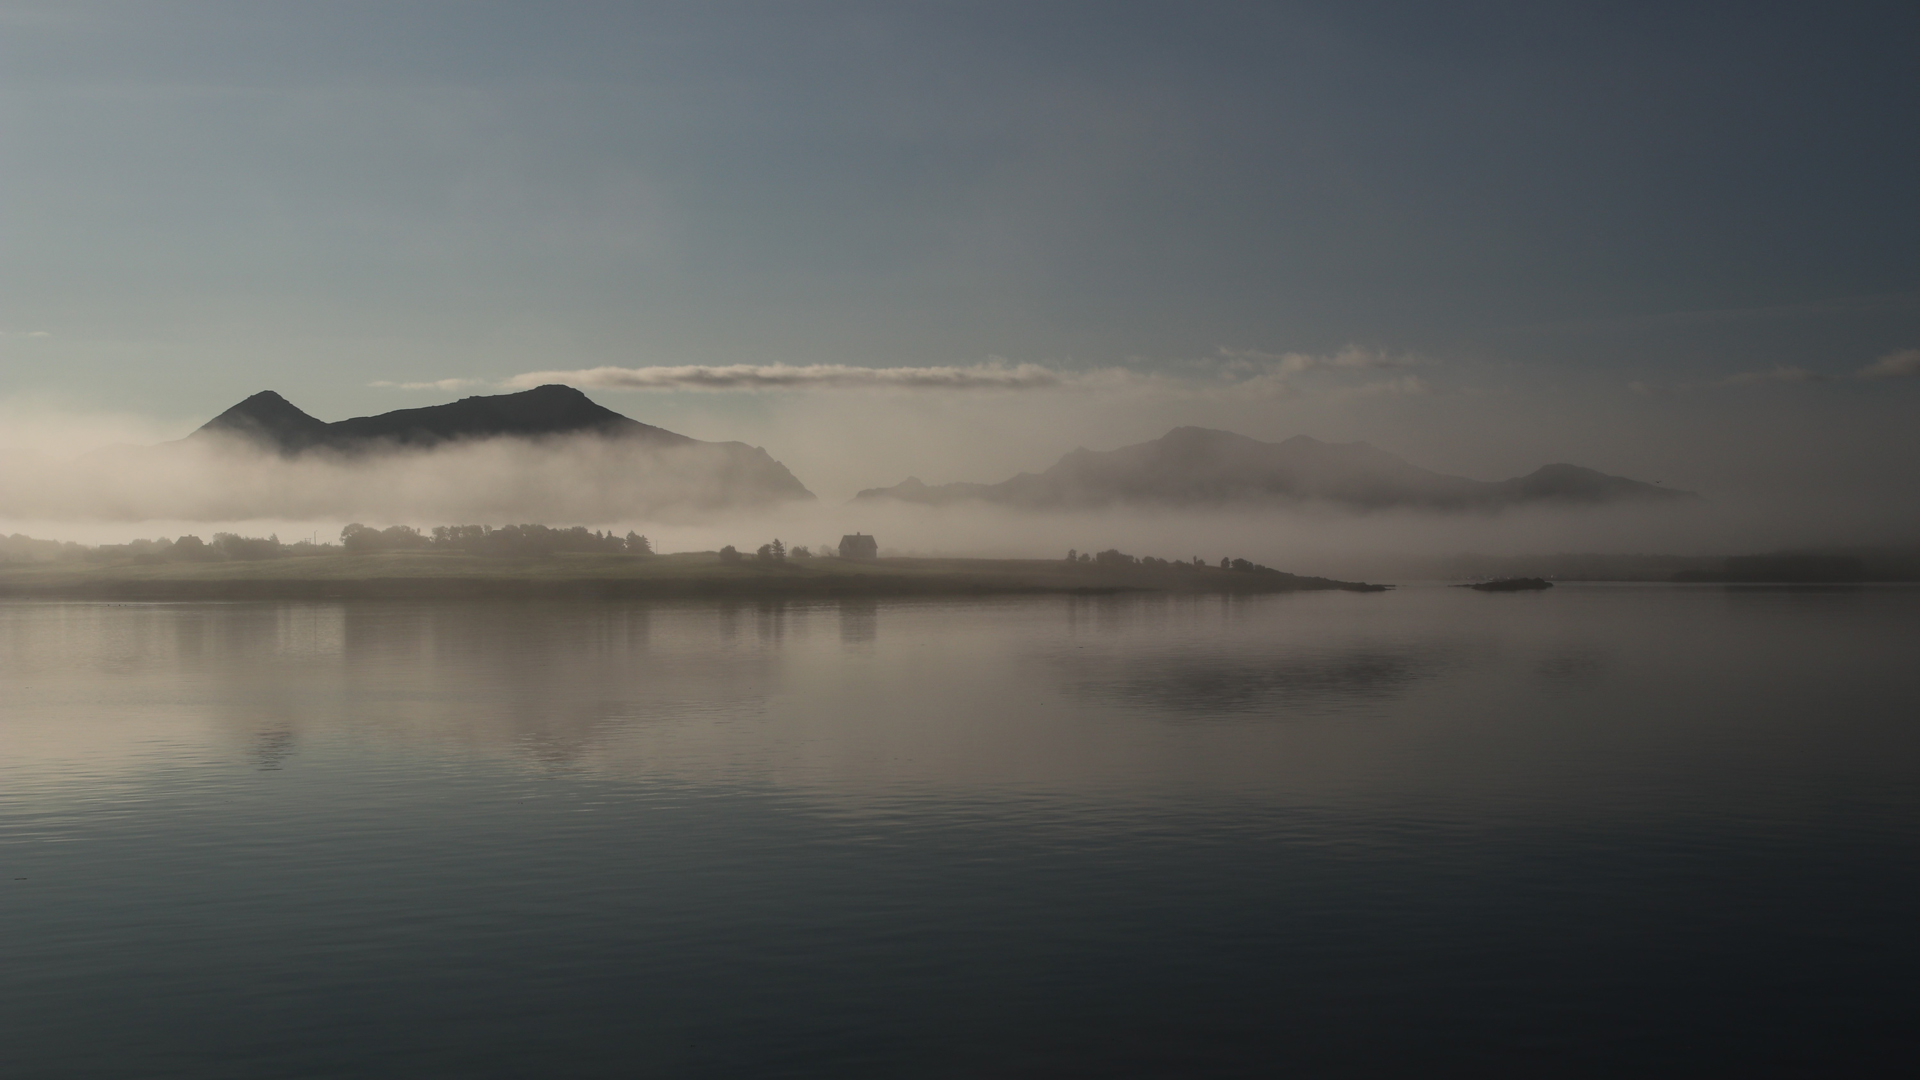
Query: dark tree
{"points": [[729, 554]]}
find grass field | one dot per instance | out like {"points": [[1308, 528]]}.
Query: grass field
{"points": [[424, 574]]}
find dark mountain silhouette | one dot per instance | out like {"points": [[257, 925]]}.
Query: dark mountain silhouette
{"points": [[729, 472], [269, 419], [272, 420], [1192, 466]]}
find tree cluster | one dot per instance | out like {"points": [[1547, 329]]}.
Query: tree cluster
{"points": [[1114, 557], [508, 541], [773, 551], [224, 547], [20, 548], [1242, 566]]}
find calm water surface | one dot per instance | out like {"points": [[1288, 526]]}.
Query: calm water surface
{"points": [[1593, 831]]}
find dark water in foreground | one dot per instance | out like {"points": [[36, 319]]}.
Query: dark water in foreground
{"points": [[1597, 830]]}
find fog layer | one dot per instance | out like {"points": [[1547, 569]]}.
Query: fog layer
{"points": [[1778, 466]]}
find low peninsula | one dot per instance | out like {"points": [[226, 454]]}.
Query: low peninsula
{"points": [[447, 575]]}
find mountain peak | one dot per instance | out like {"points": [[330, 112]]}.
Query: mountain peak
{"points": [[738, 472], [268, 418], [553, 409]]}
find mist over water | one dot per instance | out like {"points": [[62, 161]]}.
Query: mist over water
{"points": [[285, 285], [60, 483], [1309, 539]]}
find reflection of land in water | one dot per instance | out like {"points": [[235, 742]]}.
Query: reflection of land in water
{"points": [[1115, 697], [523, 811], [1286, 667], [1575, 667], [1202, 687], [447, 576]]}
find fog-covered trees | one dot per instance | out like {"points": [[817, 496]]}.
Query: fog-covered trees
{"points": [[235, 546], [507, 541], [1115, 559], [360, 539]]}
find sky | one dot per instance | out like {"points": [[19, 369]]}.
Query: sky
{"points": [[1673, 241]]}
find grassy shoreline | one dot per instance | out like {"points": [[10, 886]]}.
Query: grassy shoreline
{"points": [[421, 575]]}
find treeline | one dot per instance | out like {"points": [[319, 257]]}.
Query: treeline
{"points": [[20, 548], [1116, 557], [223, 547], [508, 541]]}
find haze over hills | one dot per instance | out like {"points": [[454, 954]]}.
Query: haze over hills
{"points": [[1192, 466], [550, 452]]}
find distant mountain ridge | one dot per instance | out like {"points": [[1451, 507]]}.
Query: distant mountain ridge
{"points": [[706, 473], [1192, 466], [550, 410]]}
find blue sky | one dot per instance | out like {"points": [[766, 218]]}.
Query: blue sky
{"points": [[1605, 219]]}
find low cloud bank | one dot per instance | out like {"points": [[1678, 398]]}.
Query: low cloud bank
{"points": [[815, 377], [1901, 364], [1240, 371], [1780, 374], [1904, 364]]}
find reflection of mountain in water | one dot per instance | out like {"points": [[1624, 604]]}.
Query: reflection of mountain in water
{"points": [[556, 679], [1212, 685], [1192, 466]]}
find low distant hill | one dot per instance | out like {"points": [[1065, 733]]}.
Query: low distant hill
{"points": [[1191, 466]]}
